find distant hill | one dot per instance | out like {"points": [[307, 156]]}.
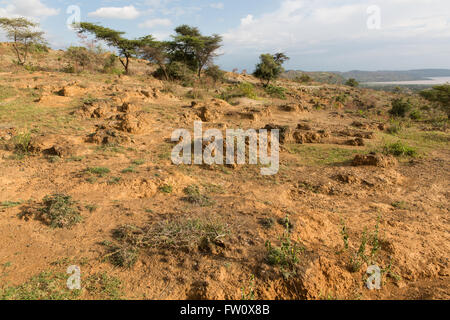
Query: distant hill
{"points": [[325, 77], [380, 76], [370, 76]]}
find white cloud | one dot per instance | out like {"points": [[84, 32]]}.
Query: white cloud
{"points": [[126, 13], [247, 20], [333, 34], [27, 8], [299, 24], [155, 22]]}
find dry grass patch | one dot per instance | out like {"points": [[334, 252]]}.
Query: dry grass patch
{"points": [[179, 234]]}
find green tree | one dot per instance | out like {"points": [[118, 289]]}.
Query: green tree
{"points": [[214, 72], [79, 56], [24, 35], [400, 107], [156, 52], [304, 78], [126, 48], [352, 83], [440, 95], [270, 67], [192, 48]]}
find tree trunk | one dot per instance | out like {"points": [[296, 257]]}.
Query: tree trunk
{"points": [[19, 60], [200, 68], [125, 64], [126, 67], [163, 68]]}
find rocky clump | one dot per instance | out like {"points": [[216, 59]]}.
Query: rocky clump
{"points": [[132, 123], [52, 145], [374, 159], [107, 136], [357, 142], [6, 133], [208, 114], [70, 90], [285, 132]]}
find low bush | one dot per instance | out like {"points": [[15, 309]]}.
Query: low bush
{"points": [[400, 107]]}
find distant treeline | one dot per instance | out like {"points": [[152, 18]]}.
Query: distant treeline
{"points": [[369, 76]]}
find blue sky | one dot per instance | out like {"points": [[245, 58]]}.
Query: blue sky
{"points": [[336, 35]]}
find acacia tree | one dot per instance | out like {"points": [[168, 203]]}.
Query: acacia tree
{"points": [[126, 48], [192, 48], [23, 34], [215, 73], [440, 95], [156, 52], [270, 67]]}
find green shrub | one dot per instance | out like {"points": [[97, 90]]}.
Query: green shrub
{"points": [[22, 143], [352, 83], [399, 149], [111, 65], [60, 212], [177, 71], [244, 89], [415, 115], [276, 92], [400, 107], [215, 73], [287, 256], [79, 57], [166, 188], [179, 233], [194, 196], [360, 256], [99, 171]]}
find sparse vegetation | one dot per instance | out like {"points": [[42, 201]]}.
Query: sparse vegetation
{"points": [[244, 89], [22, 143], [287, 255], [249, 292], [181, 233], [399, 149], [9, 204], [368, 248], [194, 196], [45, 286], [98, 171], [166, 188], [60, 211], [276, 92], [81, 120]]}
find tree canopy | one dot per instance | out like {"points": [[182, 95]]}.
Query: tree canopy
{"points": [[126, 48], [270, 67], [440, 95], [192, 48], [24, 34]]}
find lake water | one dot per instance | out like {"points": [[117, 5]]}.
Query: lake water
{"points": [[429, 81]]}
